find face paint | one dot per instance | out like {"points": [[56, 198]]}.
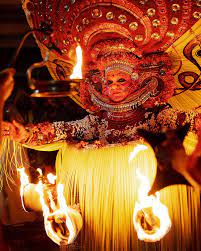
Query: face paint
{"points": [[118, 86]]}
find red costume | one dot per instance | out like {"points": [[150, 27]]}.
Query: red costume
{"points": [[132, 68], [116, 37]]}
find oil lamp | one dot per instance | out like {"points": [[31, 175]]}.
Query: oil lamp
{"points": [[56, 88], [51, 88]]}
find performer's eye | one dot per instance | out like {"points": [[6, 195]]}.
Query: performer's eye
{"points": [[109, 82], [121, 80], [98, 87]]}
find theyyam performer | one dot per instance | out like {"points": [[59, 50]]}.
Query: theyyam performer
{"points": [[141, 64]]}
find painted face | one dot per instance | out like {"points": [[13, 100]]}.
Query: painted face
{"points": [[118, 85]]}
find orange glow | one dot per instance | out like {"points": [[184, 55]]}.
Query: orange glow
{"points": [[77, 70], [62, 223], [67, 211], [151, 218], [24, 180]]}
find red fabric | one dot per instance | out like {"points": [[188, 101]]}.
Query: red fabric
{"points": [[88, 21]]}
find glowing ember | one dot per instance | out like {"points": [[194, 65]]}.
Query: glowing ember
{"points": [[77, 71], [151, 218], [24, 180], [51, 178]]}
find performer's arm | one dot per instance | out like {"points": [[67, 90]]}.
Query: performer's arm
{"points": [[44, 133]]}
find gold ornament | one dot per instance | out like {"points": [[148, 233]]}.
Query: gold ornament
{"points": [[155, 36], [64, 51], [156, 23], [96, 13], [85, 21], [174, 20], [151, 12], [122, 19], [139, 37], [170, 34], [133, 26], [110, 16], [76, 39], [79, 28], [198, 3], [176, 7], [197, 15], [66, 41]]}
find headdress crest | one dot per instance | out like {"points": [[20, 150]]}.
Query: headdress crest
{"points": [[152, 26]]}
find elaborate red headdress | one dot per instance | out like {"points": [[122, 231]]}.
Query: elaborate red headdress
{"points": [[148, 26], [151, 25]]}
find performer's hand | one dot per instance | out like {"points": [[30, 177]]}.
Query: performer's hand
{"points": [[15, 131], [6, 83]]}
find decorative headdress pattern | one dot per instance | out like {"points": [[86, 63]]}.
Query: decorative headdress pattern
{"points": [[152, 75], [150, 26]]}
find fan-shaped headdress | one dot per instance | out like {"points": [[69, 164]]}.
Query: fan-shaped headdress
{"points": [[150, 26]]}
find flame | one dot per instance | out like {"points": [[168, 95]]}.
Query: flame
{"points": [[24, 180], [39, 171], [62, 223], [51, 178], [77, 70], [51, 200], [46, 213], [151, 218], [66, 210], [60, 220], [138, 148]]}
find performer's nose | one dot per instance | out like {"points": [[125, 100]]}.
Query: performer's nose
{"points": [[114, 86]]}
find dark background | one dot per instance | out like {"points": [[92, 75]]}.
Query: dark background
{"points": [[28, 233]]}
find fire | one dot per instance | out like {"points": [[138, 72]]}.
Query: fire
{"points": [[51, 178], [62, 223], [136, 150], [24, 180], [77, 71], [151, 218], [39, 171]]}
